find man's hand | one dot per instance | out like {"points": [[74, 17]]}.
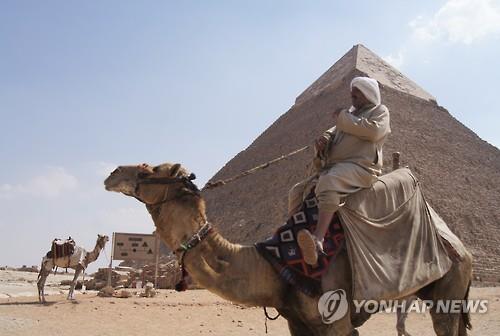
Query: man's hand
{"points": [[322, 141]]}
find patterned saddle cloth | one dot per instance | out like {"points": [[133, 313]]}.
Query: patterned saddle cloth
{"points": [[283, 252]]}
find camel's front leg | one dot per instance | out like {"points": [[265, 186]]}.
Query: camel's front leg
{"points": [[300, 329], [401, 323], [342, 327], [306, 320], [402, 315], [71, 294], [42, 277]]}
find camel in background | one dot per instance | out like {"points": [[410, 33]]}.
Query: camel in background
{"points": [[78, 261]]}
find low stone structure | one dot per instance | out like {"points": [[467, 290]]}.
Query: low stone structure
{"points": [[127, 277]]}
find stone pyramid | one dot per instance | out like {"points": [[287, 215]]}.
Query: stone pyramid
{"points": [[459, 172]]}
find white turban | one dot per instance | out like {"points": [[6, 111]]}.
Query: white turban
{"points": [[369, 88]]}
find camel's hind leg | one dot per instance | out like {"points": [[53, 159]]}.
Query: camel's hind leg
{"points": [[45, 269], [465, 320], [454, 285]]}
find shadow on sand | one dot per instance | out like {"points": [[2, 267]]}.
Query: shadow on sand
{"points": [[35, 303]]}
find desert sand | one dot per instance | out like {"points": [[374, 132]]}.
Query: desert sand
{"points": [[194, 312]]}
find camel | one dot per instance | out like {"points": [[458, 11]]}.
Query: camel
{"points": [[240, 274], [78, 261]]}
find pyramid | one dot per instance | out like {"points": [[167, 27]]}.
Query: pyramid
{"points": [[459, 172]]}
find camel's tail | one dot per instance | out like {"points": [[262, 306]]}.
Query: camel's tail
{"points": [[466, 315]]}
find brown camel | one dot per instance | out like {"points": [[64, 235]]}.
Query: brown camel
{"points": [[78, 261], [240, 274]]}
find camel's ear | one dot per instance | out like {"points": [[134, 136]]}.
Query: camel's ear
{"points": [[175, 169]]}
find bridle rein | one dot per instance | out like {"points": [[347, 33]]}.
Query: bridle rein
{"points": [[197, 237]]}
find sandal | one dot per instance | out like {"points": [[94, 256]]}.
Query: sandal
{"points": [[309, 246]]}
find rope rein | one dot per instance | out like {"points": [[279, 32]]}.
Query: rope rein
{"points": [[211, 185], [269, 317]]}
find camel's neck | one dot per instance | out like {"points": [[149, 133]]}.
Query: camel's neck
{"points": [[93, 255], [234, 272], [237, 273]]}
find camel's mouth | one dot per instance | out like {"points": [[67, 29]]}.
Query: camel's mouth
{"points": [[123, 180], [109, 185], [116, 188], [123, 187]]}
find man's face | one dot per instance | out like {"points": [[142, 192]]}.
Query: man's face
{"points": [[358, 98]]}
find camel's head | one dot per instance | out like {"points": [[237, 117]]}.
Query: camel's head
{"points": [[167, 185], [102, 240], [148, 184]]}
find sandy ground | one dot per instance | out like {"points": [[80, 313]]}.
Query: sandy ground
{"points": [[15, 284], [195, 312]]}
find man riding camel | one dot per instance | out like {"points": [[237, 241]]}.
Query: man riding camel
{"points": [[348, 158]]}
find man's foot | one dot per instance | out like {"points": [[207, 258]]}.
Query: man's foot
{"points": [[309, 246]]}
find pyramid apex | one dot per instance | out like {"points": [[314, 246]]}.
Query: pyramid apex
{"points": [[375, 67], [361, 60], [332, 77]]}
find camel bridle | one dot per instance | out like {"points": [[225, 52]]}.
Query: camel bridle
{"points": [[185, 180], [196, 238]]}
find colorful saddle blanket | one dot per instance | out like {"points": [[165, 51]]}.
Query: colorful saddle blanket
{"points": [[284, 254]]}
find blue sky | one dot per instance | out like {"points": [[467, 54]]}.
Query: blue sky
{"points": [[85, 86]]}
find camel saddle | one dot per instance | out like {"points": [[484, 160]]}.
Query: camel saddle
{"points": [[396, 242], [283, 252], [61, 248]]}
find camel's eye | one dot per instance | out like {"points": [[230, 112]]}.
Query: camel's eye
{"points": [[143, 174]]}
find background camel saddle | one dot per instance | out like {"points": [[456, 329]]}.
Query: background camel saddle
{"points": [[61, 248], [394, 238]]}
